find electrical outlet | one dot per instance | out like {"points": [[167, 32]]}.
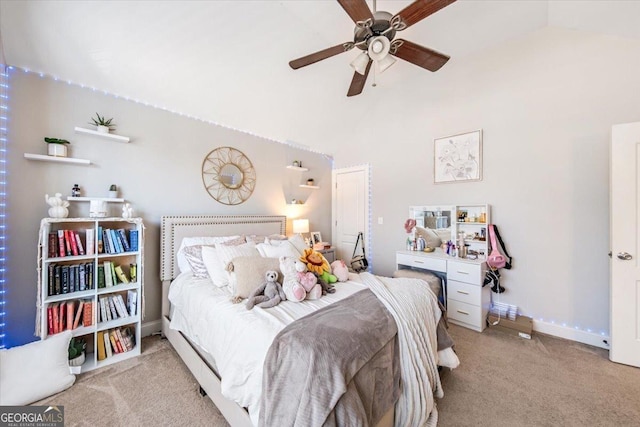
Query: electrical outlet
{"points": [[380, 220]]}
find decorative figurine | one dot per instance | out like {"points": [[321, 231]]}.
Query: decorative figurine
{"points": [[58, 207], [127, 211]]}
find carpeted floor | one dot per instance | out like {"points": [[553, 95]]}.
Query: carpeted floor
{"points": [[503, 380]]}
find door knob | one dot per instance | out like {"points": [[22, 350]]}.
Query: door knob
{"points": [[624, 256]]}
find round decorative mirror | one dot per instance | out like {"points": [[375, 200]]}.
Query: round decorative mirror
{"points": [[228, 175]]}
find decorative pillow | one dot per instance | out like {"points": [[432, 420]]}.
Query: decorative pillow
{"points": [[193, 255], [248, 273], [258, 238], [227, 253], [214, 267], [284, 249], [296, 240], [241, 240], [430, 237], [36, 370], [183, 264]]}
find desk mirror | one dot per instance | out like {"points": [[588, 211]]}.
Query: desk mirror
{"points": [[437, 218]]}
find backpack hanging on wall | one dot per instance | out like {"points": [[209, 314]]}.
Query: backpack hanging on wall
{"points": [[359, 263], [495, 258]]}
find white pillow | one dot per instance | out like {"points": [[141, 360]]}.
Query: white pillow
{"points": [[296, 240], [273, 251], [183, 264], [212, 263], [36, 370]]}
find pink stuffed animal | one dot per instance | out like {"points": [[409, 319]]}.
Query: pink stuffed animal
{"points": [[340, 270], [309, 281]]}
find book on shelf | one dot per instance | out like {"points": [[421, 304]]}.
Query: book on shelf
{"points": [[108, 281], [70, 312], [123, 238], [121, 274], [112, 308], [132, 301], [117, 244], [78, 243], [108, 242], [61, 245], [102, 354], [120, 306], [54, 318], [117, 347], [70, 244], [100, 246], [76, 321], [103, 312], [107, 344], [114, 277], [82, 277], [133, 240], [50, 328], [61, 317], [71, 286], [133, 272], [101, 283], [57, 280], [89, 241], [87, 316], [120, 340], [52, 245]]}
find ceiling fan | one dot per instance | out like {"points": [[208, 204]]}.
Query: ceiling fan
{"points": [[375, 35]]}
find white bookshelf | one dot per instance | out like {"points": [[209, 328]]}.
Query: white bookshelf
{"points": [[55, 291]]}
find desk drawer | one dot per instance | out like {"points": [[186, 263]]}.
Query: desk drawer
{"points": [[465, 313], [465, 272], [422, 262], [464, 292]]}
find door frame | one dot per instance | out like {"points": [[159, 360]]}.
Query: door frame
{"points": [[366, 168]]}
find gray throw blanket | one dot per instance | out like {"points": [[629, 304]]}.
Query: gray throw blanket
{"points": [[336, 366]]}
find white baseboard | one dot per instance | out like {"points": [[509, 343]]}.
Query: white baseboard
{"points": [[572, 334], [150, 328]]}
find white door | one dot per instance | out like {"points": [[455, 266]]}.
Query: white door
{"points": [[350, 210], [625, 244]]}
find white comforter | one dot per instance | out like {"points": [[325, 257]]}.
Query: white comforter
{"points": [[238, 339]]}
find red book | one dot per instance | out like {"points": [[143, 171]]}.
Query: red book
{"points": [[53, 247], [76, 321], [70, 307], [67, 243], [50, 320], [54, 309], [71, 236], [115, 336], [87, 317], [61, 317], [78, 243], [61, 251]]}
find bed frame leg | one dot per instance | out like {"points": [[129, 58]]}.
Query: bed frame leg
{"points": [[202, 392]]}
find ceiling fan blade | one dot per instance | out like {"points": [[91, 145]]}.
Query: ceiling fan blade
{"points": [[358, 81], [358, 10], [320, 55], [420, 55], [420, 9]]}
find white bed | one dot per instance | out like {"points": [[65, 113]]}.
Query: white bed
{"points": [[222, 327]]}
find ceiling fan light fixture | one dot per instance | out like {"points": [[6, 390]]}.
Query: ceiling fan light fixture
{"points": [[360, 63], [385, 63], [379, 48]]}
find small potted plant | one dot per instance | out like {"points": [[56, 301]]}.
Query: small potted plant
{"points": [[56, 147], [113, 191], [77, 348], [103, 125]]}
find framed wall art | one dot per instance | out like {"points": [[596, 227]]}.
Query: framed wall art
{"points": [[458, 158]]}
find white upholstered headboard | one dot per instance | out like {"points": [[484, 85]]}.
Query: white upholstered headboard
{"points": [[175, 228]]}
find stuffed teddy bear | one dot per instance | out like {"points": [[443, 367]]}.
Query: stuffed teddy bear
{"points": [[318, 265], [269, 294], [340, 270], [309, 281], [290, 283]]}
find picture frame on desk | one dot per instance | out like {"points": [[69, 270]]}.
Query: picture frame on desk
{"points": [[458, 158], [316, 237]]}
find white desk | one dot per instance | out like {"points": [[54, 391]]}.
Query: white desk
{"points": [[467, 301]]}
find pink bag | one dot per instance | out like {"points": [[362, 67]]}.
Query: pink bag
{"points": [[496, 259]]}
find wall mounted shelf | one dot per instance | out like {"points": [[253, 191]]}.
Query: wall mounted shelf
{"points": [[111, 136], [46, 158], [88, 199], [297, 168], [315, 187]]}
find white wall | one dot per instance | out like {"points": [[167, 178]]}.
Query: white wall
{"points": [[546, 104], [159, 172]]}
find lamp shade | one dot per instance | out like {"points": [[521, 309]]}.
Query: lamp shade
{"points": [[379, 47], [385, 63], [360, 63], [300, 226]]}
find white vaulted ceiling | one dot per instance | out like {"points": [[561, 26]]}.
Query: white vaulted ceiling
{"points": [[227, 61]]}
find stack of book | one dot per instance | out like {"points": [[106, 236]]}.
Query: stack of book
{"points": [[69, 315], [115, 341], [67, 278], [112, 241], [114, 307], [63, 243], [111, 274]]}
